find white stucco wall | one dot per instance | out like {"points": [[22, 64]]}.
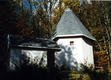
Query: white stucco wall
{"points": [[16, 55], [87, 51], [14, 59], [73, 56]]}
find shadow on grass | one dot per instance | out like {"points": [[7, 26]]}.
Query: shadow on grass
{"points": [[34, 72], [30, 73]]}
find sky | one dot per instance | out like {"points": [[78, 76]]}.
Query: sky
{"points": [[26, 4]]}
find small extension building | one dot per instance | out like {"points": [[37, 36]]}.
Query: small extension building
{"points": [[75, 42], [35, 50]]}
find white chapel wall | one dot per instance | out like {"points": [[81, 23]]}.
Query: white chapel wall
{"points": [[34, 56], [70, 55], [87, 51]]}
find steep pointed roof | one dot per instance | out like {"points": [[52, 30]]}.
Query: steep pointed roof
{"points": [[69, 26]]}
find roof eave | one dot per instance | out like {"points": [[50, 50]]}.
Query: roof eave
{"points": [[33, 48], [74, 35]]}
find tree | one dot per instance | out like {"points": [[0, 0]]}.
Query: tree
{"points": [[7, 26], [37, 18]]}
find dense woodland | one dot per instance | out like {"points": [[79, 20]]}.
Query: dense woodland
{"points": [[39, 19]]}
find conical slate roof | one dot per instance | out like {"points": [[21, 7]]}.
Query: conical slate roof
{"points": [[69, 26]]}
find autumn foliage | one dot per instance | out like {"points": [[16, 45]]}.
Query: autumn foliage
{"points": [[101, 59]]}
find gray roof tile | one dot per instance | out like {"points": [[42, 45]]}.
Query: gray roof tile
{"points": [[26, 42], [70, 25]]}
